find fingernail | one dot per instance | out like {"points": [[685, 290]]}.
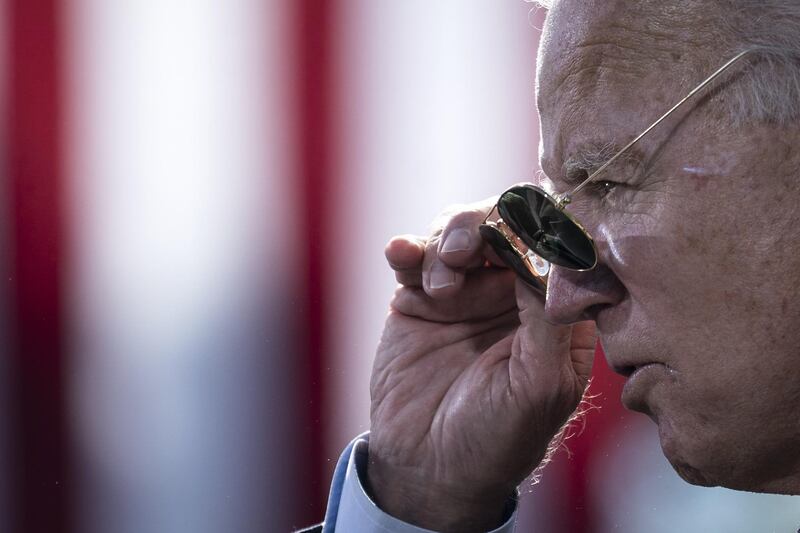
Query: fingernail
{"points": [[441, 277], [457, 240]]}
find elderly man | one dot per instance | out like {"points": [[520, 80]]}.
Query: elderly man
{"points": [[686, 274]]}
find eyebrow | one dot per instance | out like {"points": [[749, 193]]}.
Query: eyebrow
{"points": [[590, 157]]}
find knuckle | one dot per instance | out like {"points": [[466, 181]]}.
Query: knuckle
{"points": [[469, 217], [458, 215], [398, 298], [451, 210], [443, 219], [405, 303], [431, 255], [433, 242]]}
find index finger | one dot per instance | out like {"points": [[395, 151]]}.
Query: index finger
{"points": [[405, 252], [461, 245]]}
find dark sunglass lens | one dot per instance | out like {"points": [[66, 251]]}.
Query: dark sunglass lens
{"points": [[547, 230], [503, 248]]}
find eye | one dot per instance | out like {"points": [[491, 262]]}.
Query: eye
{"points": [[603, 187]]}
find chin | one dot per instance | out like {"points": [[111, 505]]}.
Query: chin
{"points": [[679, 455], [703, 465], [708, 456]]}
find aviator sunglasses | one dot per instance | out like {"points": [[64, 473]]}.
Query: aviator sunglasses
{"points": [[534, 230]]}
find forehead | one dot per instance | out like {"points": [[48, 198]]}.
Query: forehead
{"points": [[608, 68]]}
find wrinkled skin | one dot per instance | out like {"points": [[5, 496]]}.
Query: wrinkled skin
{"points": [[699, 257]]}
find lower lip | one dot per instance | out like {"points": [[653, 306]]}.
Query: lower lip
{"points": [[638, 384]]}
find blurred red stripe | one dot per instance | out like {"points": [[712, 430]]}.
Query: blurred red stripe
{"points": [[35, 173], [601, 424], [315, 73]]}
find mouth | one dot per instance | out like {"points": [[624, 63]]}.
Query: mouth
{"points": [[641, 379], [629, 370], [633, 372], [624, 370]]}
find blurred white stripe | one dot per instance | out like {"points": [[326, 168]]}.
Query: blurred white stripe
{"points": [[178, 125], [438, 108]]}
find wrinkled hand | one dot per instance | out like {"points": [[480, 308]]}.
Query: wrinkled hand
{"points": [[470, 382]]}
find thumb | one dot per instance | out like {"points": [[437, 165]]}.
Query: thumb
{"points": [[582, 350], [552, 353]]}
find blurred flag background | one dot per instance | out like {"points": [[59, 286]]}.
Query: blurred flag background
{"points": [[195, 197]]}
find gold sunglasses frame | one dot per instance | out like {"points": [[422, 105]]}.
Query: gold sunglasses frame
{"points": [[561, 201]]}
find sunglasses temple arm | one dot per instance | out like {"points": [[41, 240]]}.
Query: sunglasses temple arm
{"points": [[566, 199]]}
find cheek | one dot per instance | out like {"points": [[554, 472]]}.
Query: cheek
{"points": [[639, 252], [697, 277], [676, 252], [694, 299]]}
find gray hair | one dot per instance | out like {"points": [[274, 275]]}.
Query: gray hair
{"points": [[769, 89]]}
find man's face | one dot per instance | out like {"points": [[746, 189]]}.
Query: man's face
{"points": [[698, 237]]}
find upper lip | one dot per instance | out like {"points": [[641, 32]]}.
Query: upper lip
{"points": [[620, 362], [620, 359]]}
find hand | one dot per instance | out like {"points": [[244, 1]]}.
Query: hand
{"points": [[470, 382]]}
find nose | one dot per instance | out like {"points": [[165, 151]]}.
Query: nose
{"points": [[576, 296]]}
